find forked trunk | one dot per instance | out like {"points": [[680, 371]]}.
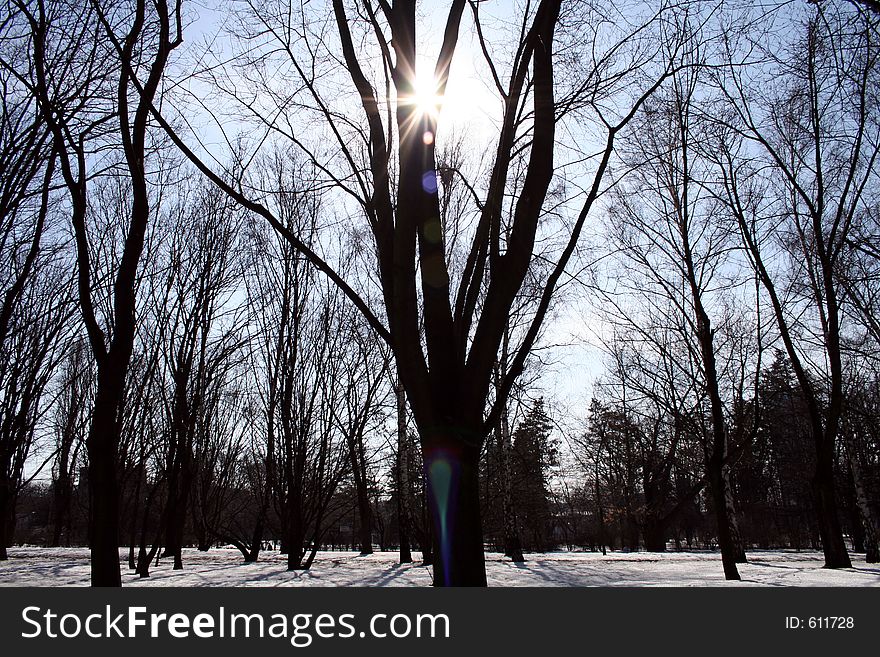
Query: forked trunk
{"points": [[253, 553], [145, 558]]}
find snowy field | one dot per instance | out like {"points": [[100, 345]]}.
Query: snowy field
{"points": [[30, 566]]}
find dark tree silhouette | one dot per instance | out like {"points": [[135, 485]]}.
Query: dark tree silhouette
{"points": [[77, 55], [814, 125], [447, 369]]}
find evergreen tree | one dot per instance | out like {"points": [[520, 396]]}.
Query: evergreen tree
{"points": [[534, 453]]}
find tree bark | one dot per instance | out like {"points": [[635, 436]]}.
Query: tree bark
{"points": [[365, 511], [62, 493], [824, 497], [716, 463], [295, 530], [402, 472], [102, 445], [512, 542], [869, 525], [452, 475], [735, 535], [178, 510], [5, 508], [655, 534]]}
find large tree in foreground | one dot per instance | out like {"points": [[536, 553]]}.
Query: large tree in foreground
{"points": [[446, 287]]}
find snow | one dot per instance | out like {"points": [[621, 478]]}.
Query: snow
{"points": [[35, 566]]}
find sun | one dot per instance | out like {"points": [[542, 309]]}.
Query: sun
{"points": [[465, 102], [425, 97], [427, 104]]}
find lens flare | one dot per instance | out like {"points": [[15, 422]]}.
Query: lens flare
{"points": [[429, 182], [440, 476]]}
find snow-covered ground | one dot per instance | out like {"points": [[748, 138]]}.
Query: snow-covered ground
{"points": [[31, 566]]}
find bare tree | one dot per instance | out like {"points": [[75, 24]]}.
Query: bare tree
{"points": [[83, 62], [72, 424], [669, 231], [383, 165], [363, 380], [814, 124], [26, 204], [200, 337], [34, 347], [297, 356], [27, 166]]}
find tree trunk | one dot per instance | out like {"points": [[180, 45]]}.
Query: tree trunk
{"points": [[600, 510], [857, 533], [452, 475], [715, 466], [428, 554], [253, 553], [180, 470], [424, 538], [203, 536], [725, 538], [655, 534], [132, 531], [171, 505], [735, 536], [295, 530], [142, 568], [402, 472], [317, 537], [5, 510], [186, 481], [872, 553], [102, 444], [717, 448], [830, 532], [145, 558], [63, 492], [403, 533], [365, 511], [512, 542]]}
